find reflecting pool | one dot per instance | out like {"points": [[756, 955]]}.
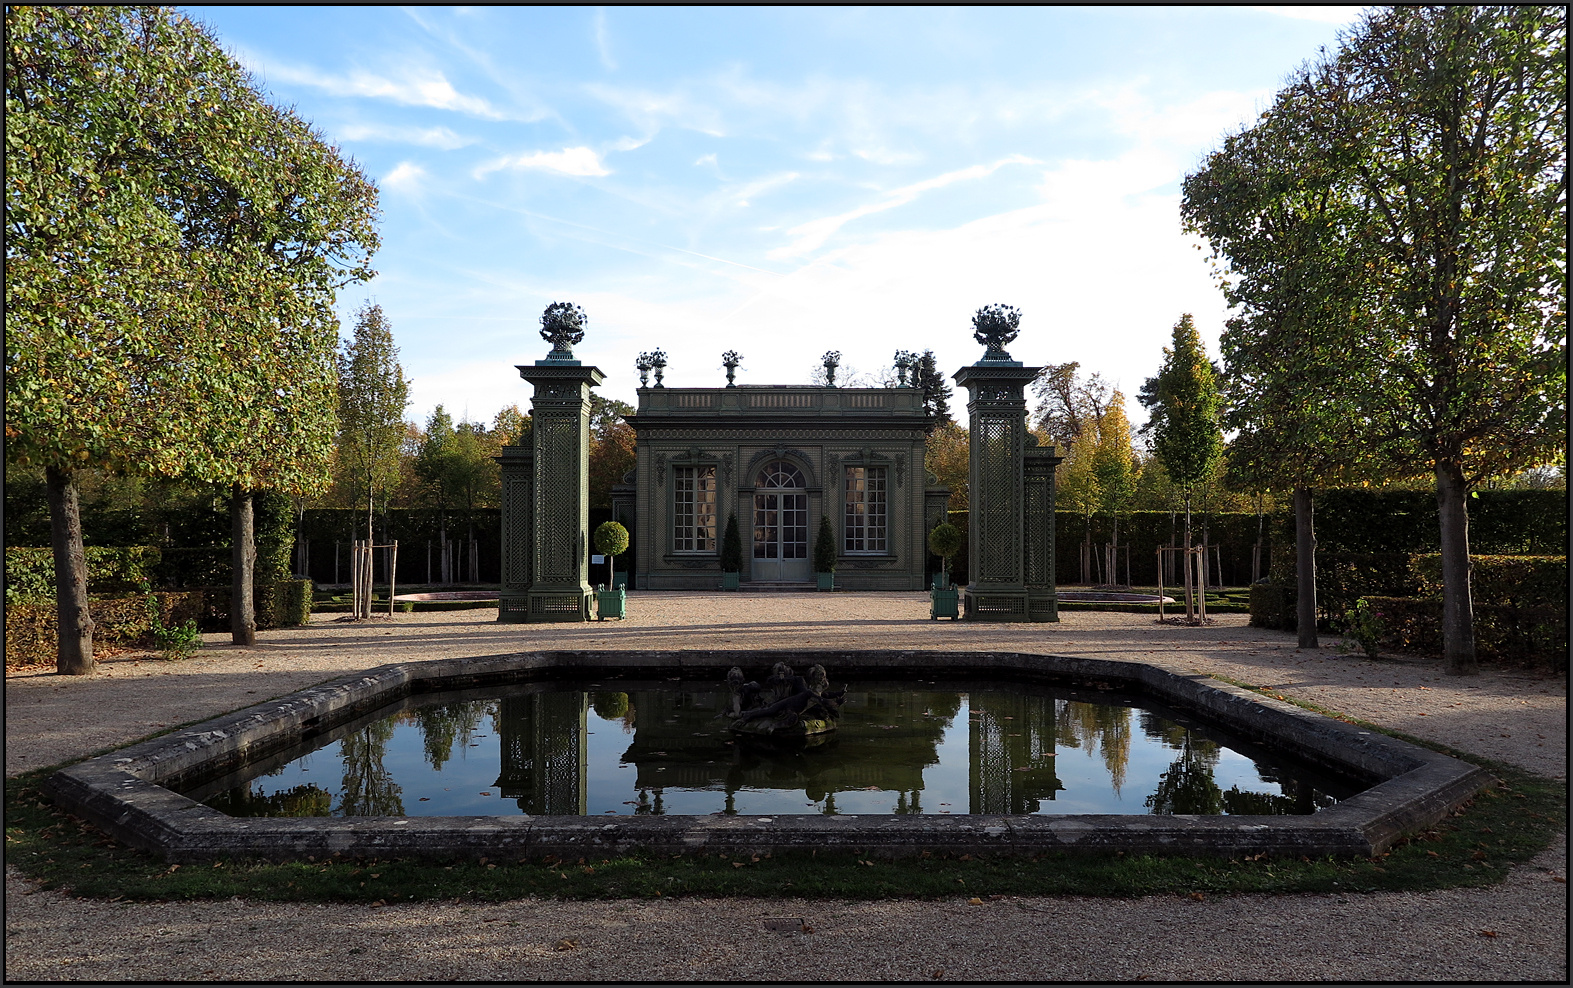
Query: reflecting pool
{"points": [[632, 747]]}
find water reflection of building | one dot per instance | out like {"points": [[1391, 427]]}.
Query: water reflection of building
{"points": [[543, 742], [884, 742], [1011, 746]]}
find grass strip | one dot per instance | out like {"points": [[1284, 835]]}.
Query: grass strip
{"points": [[1504, 826]]}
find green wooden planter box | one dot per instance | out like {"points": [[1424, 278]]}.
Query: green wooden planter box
{"points": [[827, 581], [611, 603], [943, 603], [730, 581]]}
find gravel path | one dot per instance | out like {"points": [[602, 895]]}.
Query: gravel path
{"points": [[1436, 936]]}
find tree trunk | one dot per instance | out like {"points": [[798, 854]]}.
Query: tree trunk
{"points": [[1458, 614], [74, 623], [1305, 565], [243, 562]]}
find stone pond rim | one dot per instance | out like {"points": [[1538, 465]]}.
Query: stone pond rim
{"points": [[124, 792]]}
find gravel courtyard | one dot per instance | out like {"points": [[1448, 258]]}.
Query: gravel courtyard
{"points": [[1511, 717]]}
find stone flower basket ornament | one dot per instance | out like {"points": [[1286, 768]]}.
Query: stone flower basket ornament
{"points": [[944, 542], [731, 360], [562, 325], [994, 326], [825, 554], [831, 360], [611, 540], [731, 555]]}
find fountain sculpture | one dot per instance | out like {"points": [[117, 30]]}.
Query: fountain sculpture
{"points": [[786, 707]]}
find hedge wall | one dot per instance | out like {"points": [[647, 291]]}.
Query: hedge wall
{"points": [[31, 625], [1535, 636], [30, 570], [31, 629], [1514, 523], [1520, 581], [1520, 603]]}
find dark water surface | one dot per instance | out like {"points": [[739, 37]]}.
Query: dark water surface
{"points": [[615, 747]]}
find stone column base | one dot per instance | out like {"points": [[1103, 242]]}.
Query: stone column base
{"points": [[1008, 605], [544, 605]]}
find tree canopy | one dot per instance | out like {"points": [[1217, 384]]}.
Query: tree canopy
{"points": [[1394, 230], [173, 246]]}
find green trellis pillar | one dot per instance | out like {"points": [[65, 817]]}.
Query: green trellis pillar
{"points": [[997, 512], [546, 551], [1043, 602]]}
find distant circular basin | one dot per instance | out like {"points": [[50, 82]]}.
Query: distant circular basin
{"points": [[1112, 597], [449, 595]]}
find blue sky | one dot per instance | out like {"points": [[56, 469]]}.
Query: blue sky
{"points": [[777, 181]]}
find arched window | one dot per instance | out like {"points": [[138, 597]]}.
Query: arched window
{"points": [[780, 475]]}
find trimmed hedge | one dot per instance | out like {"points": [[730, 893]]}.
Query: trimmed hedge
{"points": [[1535, 635], [30, 570], [292, 603], [31, 629], [1521, 581], [1511, 523], [1341, 579]]}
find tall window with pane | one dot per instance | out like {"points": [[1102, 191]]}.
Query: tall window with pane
{"points": [[694, 526], [866, 512]]}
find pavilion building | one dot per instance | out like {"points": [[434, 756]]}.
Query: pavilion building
{"points": [[780, 458]]}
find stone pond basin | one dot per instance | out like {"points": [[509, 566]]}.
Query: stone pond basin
{"points": [[130, 793]]}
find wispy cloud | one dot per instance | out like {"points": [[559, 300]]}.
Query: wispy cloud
{"points": [[812, 235], [602, 46], [580, 162], [435, 137], [415, 87], [651, 110], [405, 177]]}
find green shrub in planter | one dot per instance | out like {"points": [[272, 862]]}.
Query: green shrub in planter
{"points": [[611, 540], [731, 554], [944, 542], [825, 553]]}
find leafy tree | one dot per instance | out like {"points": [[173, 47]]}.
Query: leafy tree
{"points": [[372, 397], [172, 248], [1114, 465], [444, 463], [1066, 402], [1184, 402], [1457, 121], [946, 457], [1433, 146], [510, 427], [612, 452], [945, 542], [1078, 488], [1286, 243], [936, 393]]}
